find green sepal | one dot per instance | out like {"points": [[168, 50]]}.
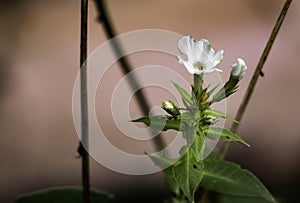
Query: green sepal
{"points": [[229, 88], [226, 135]]}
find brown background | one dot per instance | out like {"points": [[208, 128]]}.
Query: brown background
{"points": [[39, 60]]}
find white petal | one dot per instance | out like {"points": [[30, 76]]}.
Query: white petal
{"points": [[185, 45], [189, 67], [218, 57], [214, 60], [199, 72], [197, 52], [205, 42], [206, 51], [211, 70]]}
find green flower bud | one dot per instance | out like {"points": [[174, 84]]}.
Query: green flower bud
{"points": [[171, 108]]}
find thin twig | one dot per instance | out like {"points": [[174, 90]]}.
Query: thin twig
{"points": [[84, 106], [256, 74], [124, 64]]}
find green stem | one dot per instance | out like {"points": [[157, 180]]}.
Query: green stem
{"points": [[83, 145], [198, 81], [256, 74]]}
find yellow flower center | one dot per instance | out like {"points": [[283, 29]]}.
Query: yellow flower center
{"points": [[199, 66]]}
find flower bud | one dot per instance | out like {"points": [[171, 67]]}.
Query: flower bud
{"points": [[171, 108], [238, 69]]}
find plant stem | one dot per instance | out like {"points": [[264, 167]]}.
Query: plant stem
{"points": [[124, 64], [198, 81], [84, 107], [256, 74]]}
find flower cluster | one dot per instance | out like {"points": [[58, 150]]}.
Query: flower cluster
{"points": [[201, 58]]}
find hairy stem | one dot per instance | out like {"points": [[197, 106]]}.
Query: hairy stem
{"points": [[124, 64], [84, 107], [258, 71]]}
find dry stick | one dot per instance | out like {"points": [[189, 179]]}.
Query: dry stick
{"points": [[126, 68], [256, 74], [84, 106]]}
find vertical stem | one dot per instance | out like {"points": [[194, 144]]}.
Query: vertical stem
{"points": [[257, 72], [198, 81], [84, 107]]}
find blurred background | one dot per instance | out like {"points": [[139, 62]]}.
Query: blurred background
{"points": [[39, 60]]}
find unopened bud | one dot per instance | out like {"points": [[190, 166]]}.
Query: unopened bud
{"points": [[171, 108], [239, 69]]}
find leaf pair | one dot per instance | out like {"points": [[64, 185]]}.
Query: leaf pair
{"points": [[228, 178]]}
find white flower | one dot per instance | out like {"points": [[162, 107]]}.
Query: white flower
{"points": [[239, 69], [201, 58]]}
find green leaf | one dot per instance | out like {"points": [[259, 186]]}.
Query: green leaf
{"points": [[186, 97], [161, 123], [228, 178], [188, 175], [213, 89], [219, 114], [171, 181], [224, 134], [166, 163], [62, 195], [162, 161], [198, 147], [190, 133]]}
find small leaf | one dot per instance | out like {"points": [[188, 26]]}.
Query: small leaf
{"points": [[190, 133], [62, 194], [161, 123], [171, 181], [219, 114], [228, 178], [186, 97], [188, 175], [166, 163], [213, 89], [198, 147], [224, 134], [162, 161]]}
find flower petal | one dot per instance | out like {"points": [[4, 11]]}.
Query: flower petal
{"points": [[218, 57], [212, 70], [189, 67], [214, 60], [205, 52], [185, 45]]}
